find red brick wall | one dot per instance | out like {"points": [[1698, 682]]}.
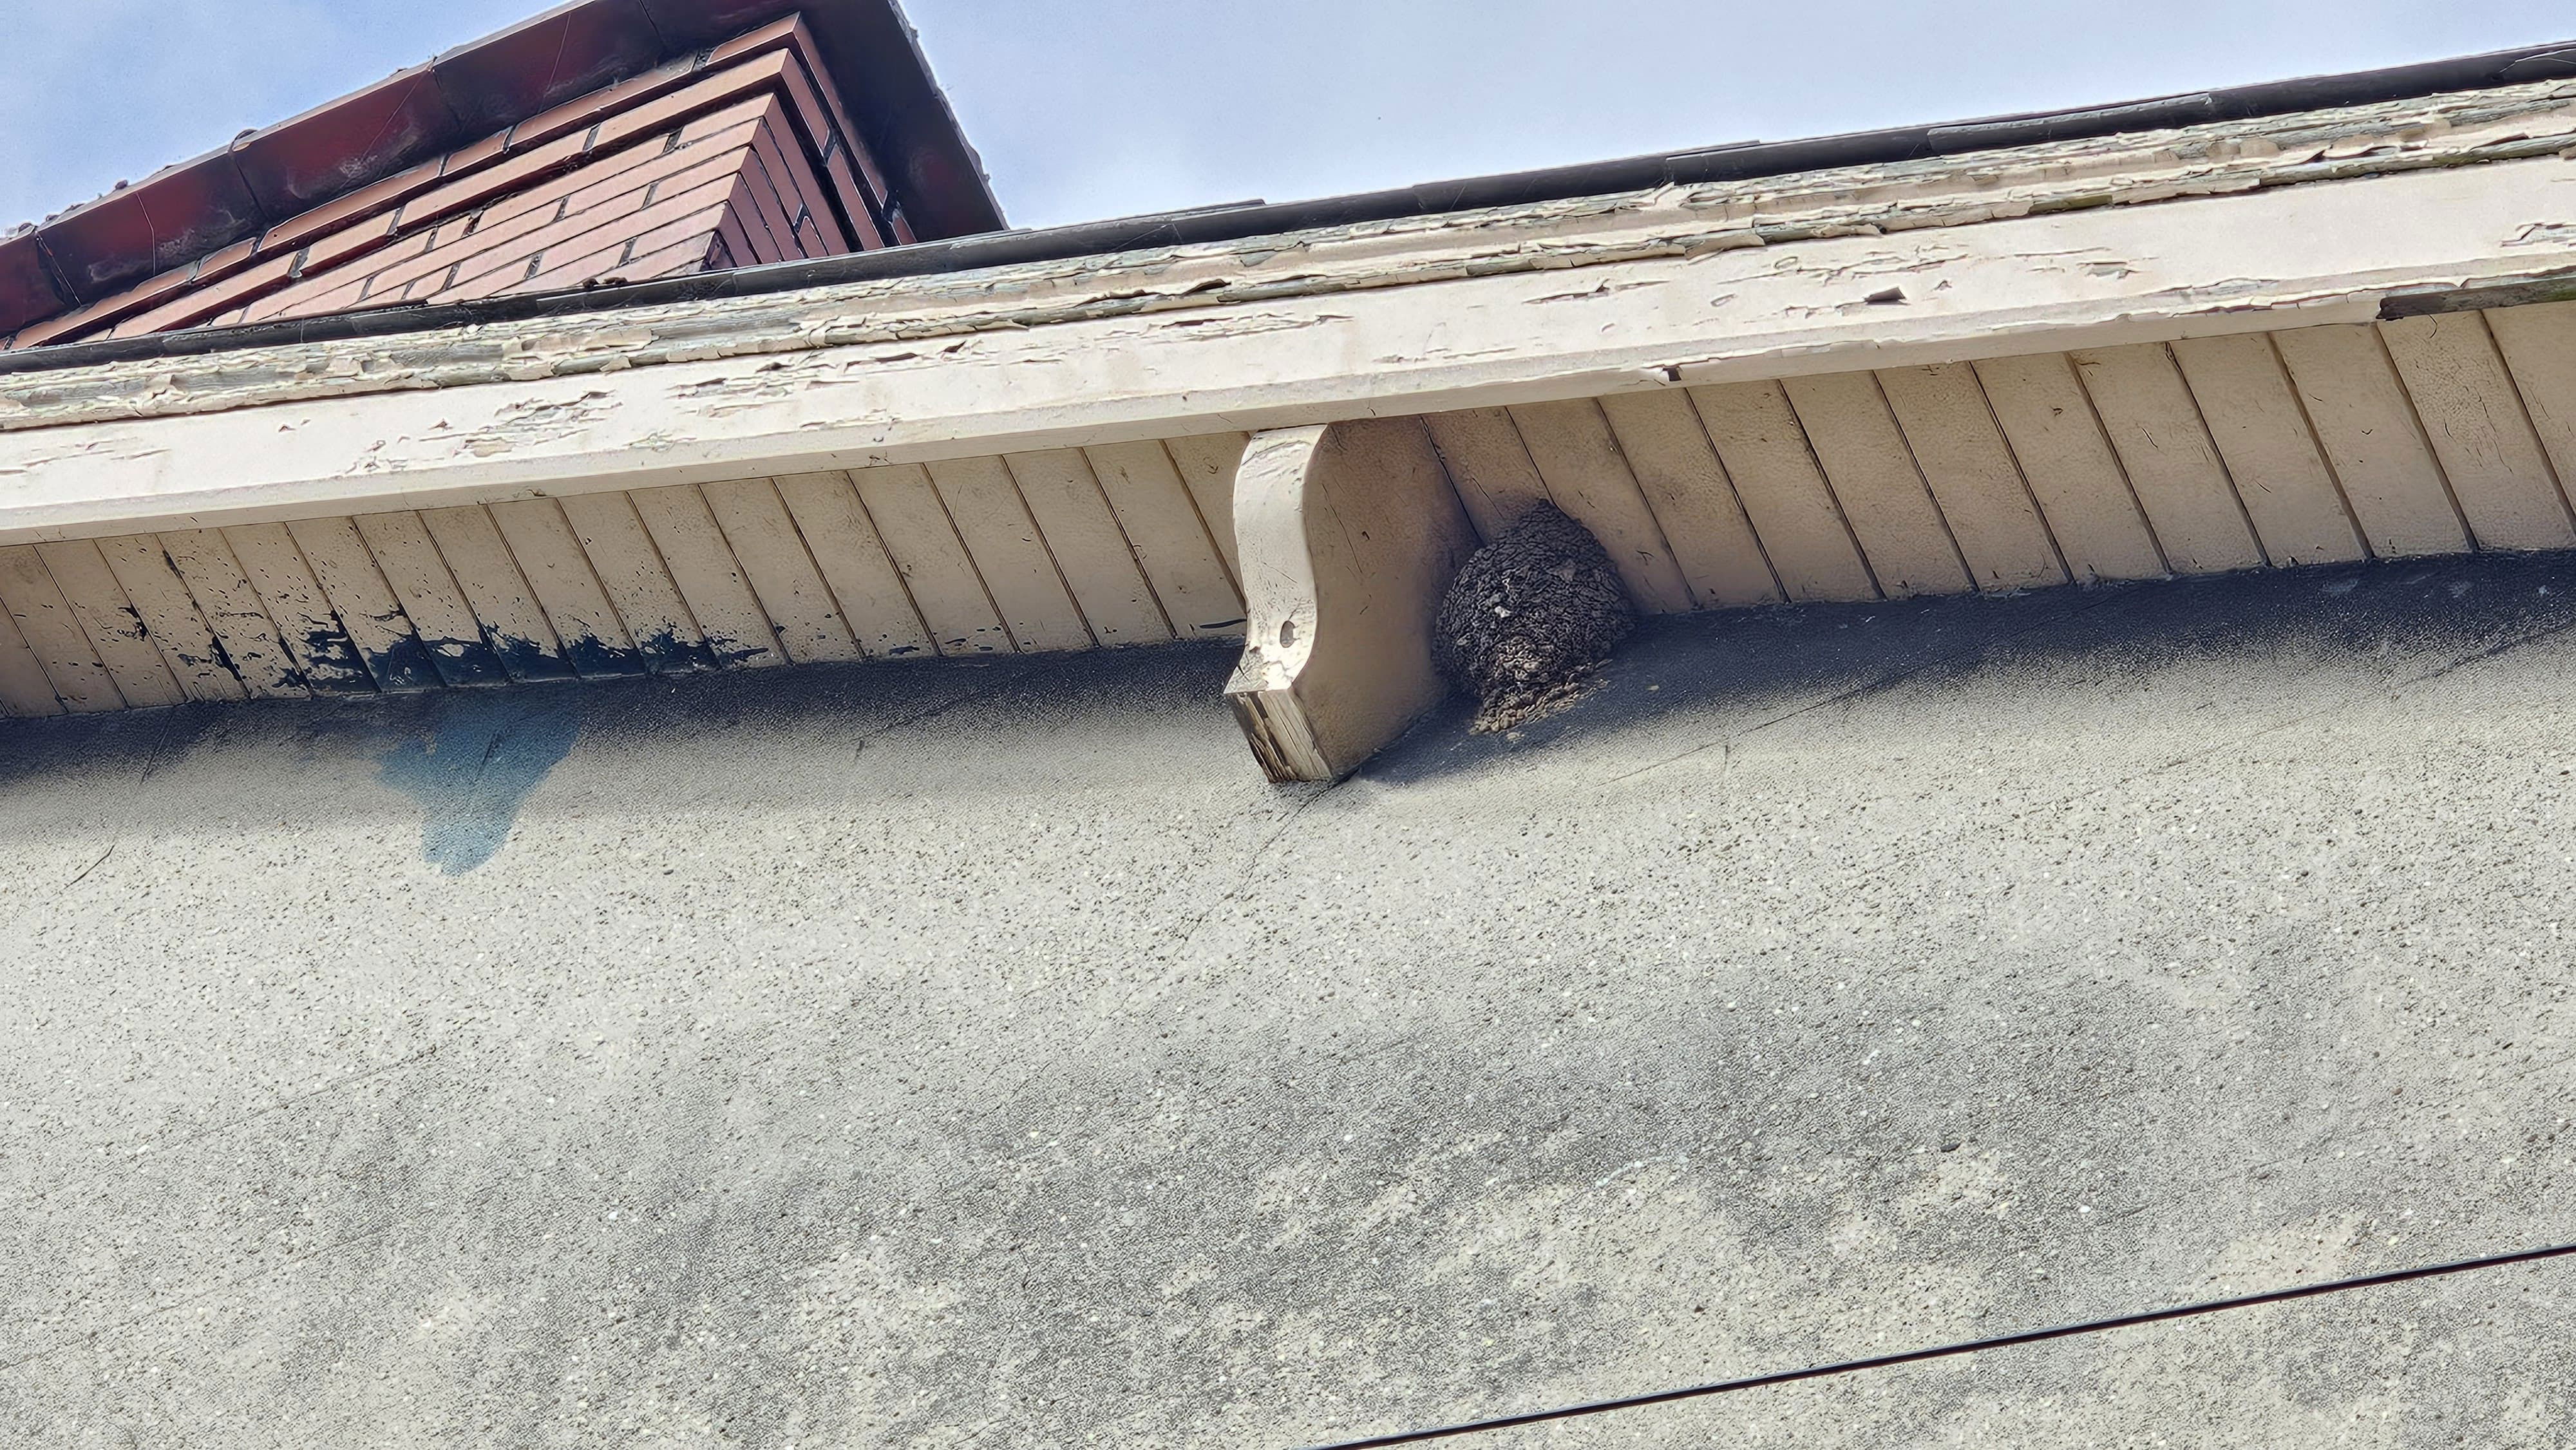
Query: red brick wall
{"points": [[741, 157]]}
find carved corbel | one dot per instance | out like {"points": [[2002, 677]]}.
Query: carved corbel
{"points": [[1349, 533]]}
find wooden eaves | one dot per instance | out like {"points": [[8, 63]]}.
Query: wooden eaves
{"points": [[2328, 335]]}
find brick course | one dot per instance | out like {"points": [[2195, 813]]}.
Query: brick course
{"points": [[739, 157]]}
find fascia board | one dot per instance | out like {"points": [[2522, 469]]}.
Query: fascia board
{"points": [[1110, 371]]}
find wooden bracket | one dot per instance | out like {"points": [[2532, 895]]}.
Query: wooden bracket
{"points": [[1349, 535]]}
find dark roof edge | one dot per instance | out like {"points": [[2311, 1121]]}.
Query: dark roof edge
{"points": [[1256, 219]]}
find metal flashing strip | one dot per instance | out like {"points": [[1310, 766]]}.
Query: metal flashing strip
{"points": [[2557, 285]]}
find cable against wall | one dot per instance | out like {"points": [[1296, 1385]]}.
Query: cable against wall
{"points": [[1952, 1351]]}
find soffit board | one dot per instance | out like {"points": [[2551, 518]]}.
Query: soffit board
{"points": [[2337, 444]]}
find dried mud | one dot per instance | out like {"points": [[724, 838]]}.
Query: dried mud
{"points": [[1531, 617]]}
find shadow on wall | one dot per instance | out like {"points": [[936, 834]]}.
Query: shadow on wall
{"points": [[473, 765], [1730, 672], [470, 761], [466, 767]]}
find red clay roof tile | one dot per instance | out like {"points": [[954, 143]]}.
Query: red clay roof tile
{"points": [[545, 62], [353, 142], [185, 213], [366, 201]]}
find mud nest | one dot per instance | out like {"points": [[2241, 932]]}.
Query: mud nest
{"points": [[1530, 619]]}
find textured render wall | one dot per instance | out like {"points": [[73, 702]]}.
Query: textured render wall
{"points": [[969, 1054]]}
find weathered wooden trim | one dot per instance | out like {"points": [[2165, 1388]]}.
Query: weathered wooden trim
{"points": [[2099, 278], [1348, 536], [2132, 169]]}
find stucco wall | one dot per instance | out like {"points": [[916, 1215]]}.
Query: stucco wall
{"points": [[981, 1055]]}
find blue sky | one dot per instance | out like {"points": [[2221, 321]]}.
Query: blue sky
{"points": [[1087, 110]]}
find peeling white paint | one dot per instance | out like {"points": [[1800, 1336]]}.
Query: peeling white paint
{"points": [[2072, 244]]}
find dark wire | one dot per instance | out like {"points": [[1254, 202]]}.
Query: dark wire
{"points": [[1948, 1351]]}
